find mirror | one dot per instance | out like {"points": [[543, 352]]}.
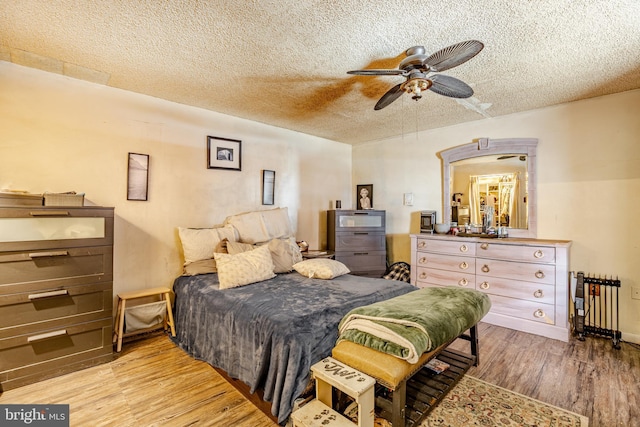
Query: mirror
{"points": [[494, 180]]}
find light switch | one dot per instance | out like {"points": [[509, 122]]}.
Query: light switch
{"points": [[408, 199]]}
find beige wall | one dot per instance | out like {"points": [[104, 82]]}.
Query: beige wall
{"points": [[588, 183], [60, 134]]}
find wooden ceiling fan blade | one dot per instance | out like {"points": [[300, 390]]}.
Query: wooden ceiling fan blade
{"points": [[391, 95], [453, 55], [450, 86]]}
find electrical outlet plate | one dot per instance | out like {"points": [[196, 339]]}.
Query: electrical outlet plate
{"points": [[408, 199]]}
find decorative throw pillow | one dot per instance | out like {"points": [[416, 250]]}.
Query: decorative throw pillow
{"points": [[321, 268], [244, 268], [285, 253], [234, 248]]}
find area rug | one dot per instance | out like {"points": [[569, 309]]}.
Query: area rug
{"points": [[473, 402]]}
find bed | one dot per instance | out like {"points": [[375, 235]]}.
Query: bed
{"points": [[268, 334]]}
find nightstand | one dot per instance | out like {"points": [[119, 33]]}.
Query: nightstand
{"points": [[310, 254]]}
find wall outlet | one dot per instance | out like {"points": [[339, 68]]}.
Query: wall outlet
{"points": [[635, 292]]}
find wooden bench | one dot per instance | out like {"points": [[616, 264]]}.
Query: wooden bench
{"points": [[413, 389], [118, 330]]}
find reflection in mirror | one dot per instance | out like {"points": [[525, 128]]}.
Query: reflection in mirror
{"points": [[492, 182]]}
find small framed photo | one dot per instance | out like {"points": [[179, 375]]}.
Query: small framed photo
{"points": [[364, 196], [268, 186], [138, 177], [224, 153]]}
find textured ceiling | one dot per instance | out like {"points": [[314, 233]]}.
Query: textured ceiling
{"points": [[284, 62]]}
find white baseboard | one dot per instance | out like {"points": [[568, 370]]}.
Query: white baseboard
{"points": [[631, 337]]}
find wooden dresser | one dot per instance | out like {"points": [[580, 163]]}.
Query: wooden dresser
{"points": [[358, 239], [526, 279], [56, 291]]}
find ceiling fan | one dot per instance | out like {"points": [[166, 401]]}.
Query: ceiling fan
{"points": [[417, 66]]}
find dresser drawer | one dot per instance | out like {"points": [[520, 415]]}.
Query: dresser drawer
{"points": [[39, 270], [359, 241], [28, 313], [523, 309], [358, 220], [447, 262], [537, 273], [447, 247], [364, 261], [540, 254], [50, 349], [23, 229], [537, 292], [445, 278]]}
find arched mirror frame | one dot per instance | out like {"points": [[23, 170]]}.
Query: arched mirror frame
{"points": [[485, 147]]}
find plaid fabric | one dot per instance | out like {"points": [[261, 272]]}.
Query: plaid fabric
{"points": [[398, 271]]}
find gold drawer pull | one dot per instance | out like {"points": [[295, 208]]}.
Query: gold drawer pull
{"points": [[423, 275], [539, 274], [484, 246], [484, 285], [422, 244], [485, 268], [53, 334], [538, 293], [49, 213], [538, 313], [538, 254], [49, 294], [48, 254], [423, 260], [464, 265], [463, 282], [464, 248]]}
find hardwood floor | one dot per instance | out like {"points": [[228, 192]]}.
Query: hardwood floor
{"points": [[154, 383]]}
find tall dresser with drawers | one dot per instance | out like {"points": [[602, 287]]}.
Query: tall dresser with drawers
{"points": [[527, 280], [358, 239], [56, 291]]}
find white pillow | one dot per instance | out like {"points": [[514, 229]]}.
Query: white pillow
{"points": [[321, 268], [277, 223], [261, 226], [200, 243], [244, 268]]}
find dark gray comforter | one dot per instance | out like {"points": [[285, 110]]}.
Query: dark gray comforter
{"points": [[268, 334]]}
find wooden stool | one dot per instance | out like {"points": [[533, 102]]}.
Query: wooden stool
{"points": [[330, 373], [118, 330]]}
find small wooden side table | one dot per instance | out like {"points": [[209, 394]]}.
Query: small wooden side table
{"points": [[315, 253], [163, 293]]}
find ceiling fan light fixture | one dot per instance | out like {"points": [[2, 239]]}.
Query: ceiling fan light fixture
{"points": [[415, 87]]}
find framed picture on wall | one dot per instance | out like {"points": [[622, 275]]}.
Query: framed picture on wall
{"points": [[268, 186], [364, 196], [138, 177], [224, 153]]}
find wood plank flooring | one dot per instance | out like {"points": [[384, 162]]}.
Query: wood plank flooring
{"points": [[154, 383]]}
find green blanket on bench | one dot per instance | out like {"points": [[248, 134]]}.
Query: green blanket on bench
{"points": [[411, 324]]}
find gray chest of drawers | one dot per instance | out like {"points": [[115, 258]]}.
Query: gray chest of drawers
{"points": [[358, 239], [56, 291]]}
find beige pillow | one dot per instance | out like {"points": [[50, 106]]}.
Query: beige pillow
{"points": [[204, 266], [261, 226], [244, 268], [200, 243], [284, 253], [321, 268]]}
